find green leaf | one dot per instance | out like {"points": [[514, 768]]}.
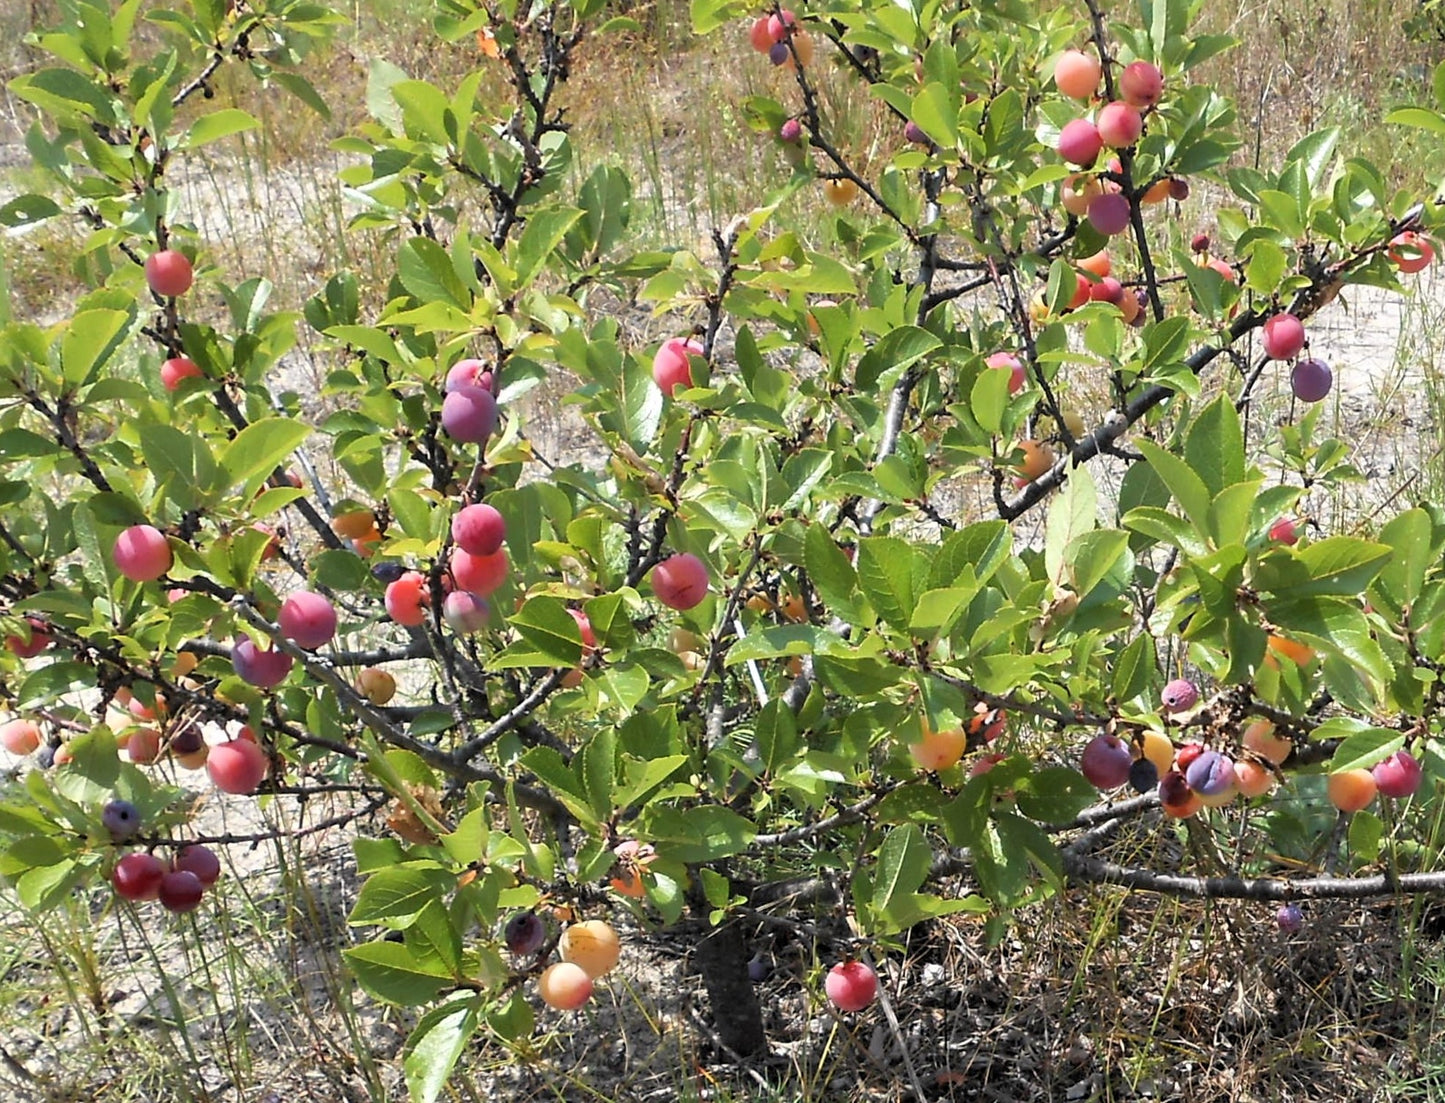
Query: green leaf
{"points": [[545, 623], [395, 897], [544, 231], [179, 461], [303, 90], [900, 348], [434, 1046], [775, 642], [971, 555], [95, 758], [41, 889], [1056, 794], [1214, 450], [641, 404], [1093, 557], [1073, 512], [1162, 526], [1021, 836], [936, 112], [1367, 831], [560, 781], [1230, 512], [1419, 117], [27, 210], [66, 94], [22, 444], [1184, 483], [642, 777], [988, 399], [91, 339], [831, 574], [599, 770], [1332, 624], [1409, 537], [904, 860], [425, 270], [391, 972], [1361, 749], [260, 448], [619, 686], [217, 125], [702, 834], [776, 732], [1315, 152], [1341, 565], [1134, 671], [886, 575]]}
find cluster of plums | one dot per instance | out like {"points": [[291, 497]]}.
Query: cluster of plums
{"points": [[140, 875], [770, 34], [589, 950], [478, 566], [1116, 125], [1194, 776], [1283, 337]]}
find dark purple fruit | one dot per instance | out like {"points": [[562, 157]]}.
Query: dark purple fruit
{"points": [[388, 572], [200, 860], [1174, 791], [181, 891], [758, 968], [779, 53], [121, 818], [1311, 380], [1106, 762], [1289, 918], [524, 934], [1143, 775], [187, 741]]}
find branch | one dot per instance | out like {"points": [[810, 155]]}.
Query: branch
{"points": [[1097, 871]]}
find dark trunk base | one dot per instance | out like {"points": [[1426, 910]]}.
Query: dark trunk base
{"points": [[722, 959]]}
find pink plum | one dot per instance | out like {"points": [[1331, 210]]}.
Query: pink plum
{"points": [[469, 415], [236, 766], [671, 367], [851, 985], [479, 529], [142, 553], [465, 612], [263, 669], [1284, 336], [680, 582], [481, 574], [169, 273], [1079, 143], [1141, 84], [1397, 776], [308, 618]]}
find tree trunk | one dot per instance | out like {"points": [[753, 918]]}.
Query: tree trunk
{"points": [[722, 959]]}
